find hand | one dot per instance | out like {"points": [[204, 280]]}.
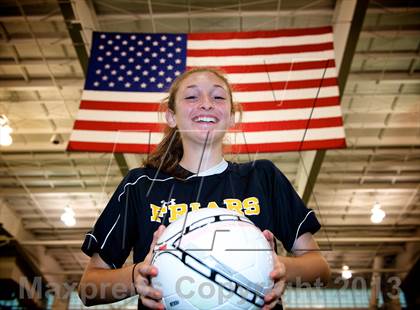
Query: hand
{"points": [[150, 297], [278, 275]]}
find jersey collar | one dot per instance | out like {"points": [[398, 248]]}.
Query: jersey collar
{"points": [[219, 168]]}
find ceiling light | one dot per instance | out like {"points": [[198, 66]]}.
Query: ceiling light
{"points": [[56, 139], [5, 131], [377, 213], [346, 272], [68, 217]]}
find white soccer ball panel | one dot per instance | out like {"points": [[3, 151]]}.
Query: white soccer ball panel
{"points": [[213, 239]]}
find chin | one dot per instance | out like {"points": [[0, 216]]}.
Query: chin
{"points": [[212, 136]]}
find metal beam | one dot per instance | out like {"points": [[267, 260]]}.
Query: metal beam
{"points": [[7, 180], [81, 21], [32, 147], [74, 29], [390, 31], [351, 222], [333, 186], [85, 14], [44, 38], [408, 257], [369, 270], [387, 54], [11, 269], [11, 223], [32, 61], [58, 191], [354, 214], [348, 22], [61, 38], [397, 141], [104, 18], [385, 78], [54, 156], [41, 83]]}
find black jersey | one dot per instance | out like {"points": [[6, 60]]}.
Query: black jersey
{"points": [[147, 198]]}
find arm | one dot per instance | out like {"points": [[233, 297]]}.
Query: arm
{"points": [[100, 284], [307, 265]]}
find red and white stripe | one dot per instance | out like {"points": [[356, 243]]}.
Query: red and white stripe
{"points": [[285, 81]]}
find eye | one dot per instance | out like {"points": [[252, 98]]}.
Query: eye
{"points": [[190, 97], [219, 97]]}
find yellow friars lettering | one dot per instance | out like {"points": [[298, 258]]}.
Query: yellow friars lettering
{"points": [[176, 211], [157, 211], [234, 205], [194, 206], [251, 206], [212, 205]]}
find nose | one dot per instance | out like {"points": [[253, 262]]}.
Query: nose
{"points": [[206, 103]]}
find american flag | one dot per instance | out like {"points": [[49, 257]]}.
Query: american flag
{"points": [[285, 81]]}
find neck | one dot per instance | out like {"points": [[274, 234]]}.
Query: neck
{"points": [[209, 157]]}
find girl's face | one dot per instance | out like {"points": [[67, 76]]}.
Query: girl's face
{"points": [[202, 105]]}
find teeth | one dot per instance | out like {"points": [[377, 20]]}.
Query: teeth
{"points": [[205, 119]]}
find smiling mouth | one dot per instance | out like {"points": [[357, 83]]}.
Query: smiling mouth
{"points": [[205, 119]]}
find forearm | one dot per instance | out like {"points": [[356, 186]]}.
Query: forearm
{"points": [[99, 285], [307, 267]]}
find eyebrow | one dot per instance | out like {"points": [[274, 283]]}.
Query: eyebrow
{"points": [[215, 85]]}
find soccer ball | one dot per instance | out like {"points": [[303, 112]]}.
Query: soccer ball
{"points": [[213, 259]]}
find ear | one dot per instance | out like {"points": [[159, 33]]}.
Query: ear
{"points": [[170, 118]]}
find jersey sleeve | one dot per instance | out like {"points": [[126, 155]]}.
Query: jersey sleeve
{"points": [[292, 217], [113, 235]]}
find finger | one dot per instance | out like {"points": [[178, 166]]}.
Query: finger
{"points": [[274, 296], [156, 236], [146, 271], [269, 298], [278, 273], [275, 293], [278, 289], [271, 305], [279, 268], [270, 238], [150, 292]]}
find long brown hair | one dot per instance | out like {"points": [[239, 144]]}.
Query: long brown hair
{"points": [[168, 153]]}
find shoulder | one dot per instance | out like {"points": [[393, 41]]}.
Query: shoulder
{"points": [[138, 176], [146, 173]]}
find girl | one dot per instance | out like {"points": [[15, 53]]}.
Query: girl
{"points": [[187, 171]]}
